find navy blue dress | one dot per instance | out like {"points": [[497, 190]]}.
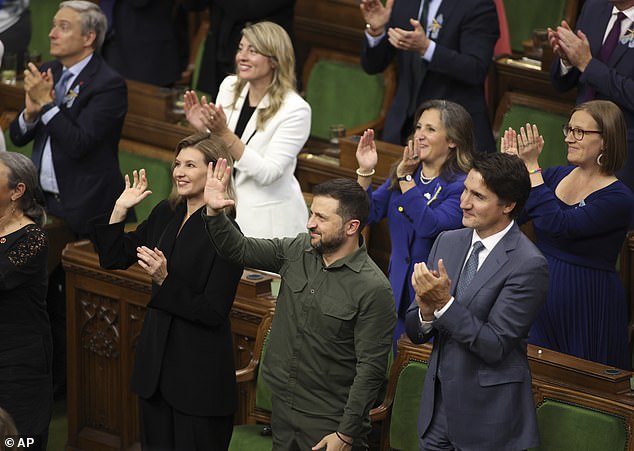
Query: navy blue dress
{"points": [[586, 311], [414, 220]]}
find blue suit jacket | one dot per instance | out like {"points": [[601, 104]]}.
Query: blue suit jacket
{"points": [[84, 142], [464, 48], [480, 344], [612, 81]]}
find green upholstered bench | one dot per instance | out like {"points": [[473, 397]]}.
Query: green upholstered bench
{"points": [[523, 17], [249, 436], [571, 420], [340, 92], [515, 110], [159, 175]]}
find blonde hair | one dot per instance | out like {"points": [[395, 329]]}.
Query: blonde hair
{"points": [[7, 429], [272, 41], [212, 148]]}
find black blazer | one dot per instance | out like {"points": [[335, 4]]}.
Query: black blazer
{"points": [[185, 347], [84, 142]]}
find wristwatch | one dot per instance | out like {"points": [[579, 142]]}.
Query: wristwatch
{"points": [[405, 178]]}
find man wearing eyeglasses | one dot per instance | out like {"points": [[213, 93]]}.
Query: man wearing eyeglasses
{"points": [[598, 59]]}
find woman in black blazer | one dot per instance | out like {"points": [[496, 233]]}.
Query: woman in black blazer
{"points": [[184, 371]]}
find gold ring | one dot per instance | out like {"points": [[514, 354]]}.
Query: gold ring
{"points": [[211, 117]]}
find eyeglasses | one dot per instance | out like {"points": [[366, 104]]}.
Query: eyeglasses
{"points": [[577, 133]]}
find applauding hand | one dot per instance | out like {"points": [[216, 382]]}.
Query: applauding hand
{"points": [[131, 196]]}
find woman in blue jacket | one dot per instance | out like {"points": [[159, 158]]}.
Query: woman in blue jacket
{"points": [[421, 198]]}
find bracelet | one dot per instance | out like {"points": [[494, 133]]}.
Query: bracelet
{"points": [[341, 438], [368, 28], [365, 174], [535, 171]]}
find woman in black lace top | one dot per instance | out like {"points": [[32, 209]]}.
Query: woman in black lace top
{"points": [[25, 334]]}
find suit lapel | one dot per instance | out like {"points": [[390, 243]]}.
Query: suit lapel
{"points": [[232, 120], [492, 265], [445, 10], [596, 33]]}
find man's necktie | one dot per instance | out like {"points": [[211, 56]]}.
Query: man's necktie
{"points": [[469, 270], [60, 87], [613, 38]]}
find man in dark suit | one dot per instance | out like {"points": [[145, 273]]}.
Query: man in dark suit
{"points": [[141, 43], [445, 55], [478, 297], [75, 124], [586, 60], [74, 112]]}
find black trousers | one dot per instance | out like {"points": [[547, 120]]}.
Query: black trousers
{"points": [[164, 428]]}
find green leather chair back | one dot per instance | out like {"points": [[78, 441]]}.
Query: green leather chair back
{"points": [[525, 16], [42, 13], [159, 175], [555, 149], [406, 407], [25, 150], [569, 427], [342, 93]]}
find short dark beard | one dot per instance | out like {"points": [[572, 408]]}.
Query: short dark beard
{"points": [[327, 247]]}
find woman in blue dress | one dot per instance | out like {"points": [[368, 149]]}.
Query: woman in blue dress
{"points": [[421, 198], [580, 215]]}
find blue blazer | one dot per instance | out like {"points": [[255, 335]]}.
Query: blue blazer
{"points": [[84, 142], [612, 81], [480, 344], [414, 222], [457, 71]]}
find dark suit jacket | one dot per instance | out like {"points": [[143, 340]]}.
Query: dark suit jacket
{"points": [[84, 142], [464, 48], [228, 18], [612, 81], [142, 44], [185, 347], [480, 344]]}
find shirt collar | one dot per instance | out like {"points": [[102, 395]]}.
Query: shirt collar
{"points": [[491, 241], [354, 260], [629, 12], [76, 69]]}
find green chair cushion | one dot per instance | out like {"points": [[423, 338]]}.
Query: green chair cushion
{"points": [[159, 175], [567, 427], [406, 407], [248, 437], [523, 17], [554, 153], [25, 150], [342, 93]]}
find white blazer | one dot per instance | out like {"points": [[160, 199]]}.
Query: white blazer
{"points": [[269, 199]]}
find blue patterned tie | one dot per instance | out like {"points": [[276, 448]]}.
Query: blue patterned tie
{"points": [[469, 270], [60, 87]]}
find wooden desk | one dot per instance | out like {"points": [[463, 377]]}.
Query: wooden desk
{"points": [[105, 311]]}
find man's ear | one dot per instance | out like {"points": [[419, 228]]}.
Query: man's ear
{"points": [[352, 227], [508, 207]]}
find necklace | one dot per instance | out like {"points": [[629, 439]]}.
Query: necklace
{"points": [[424, 180]]}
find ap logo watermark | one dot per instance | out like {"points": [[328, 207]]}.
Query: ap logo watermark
{"points": [[18, 442]]}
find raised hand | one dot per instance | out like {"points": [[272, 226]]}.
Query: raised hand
{"points": [[218, 179], [376, 15], [131, 196], [410, 160], [367, 157], [529, 145], [154, 262], [194, 110], [508, 142]]}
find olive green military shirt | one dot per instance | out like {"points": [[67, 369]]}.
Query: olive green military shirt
{"points": [[332, 330]]}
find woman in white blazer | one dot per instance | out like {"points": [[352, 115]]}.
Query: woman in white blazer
{"points": [[265, 124]]}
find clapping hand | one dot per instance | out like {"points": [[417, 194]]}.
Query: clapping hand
{"points": [[218, 179], [410, 160], [375, 14], [527, 144], [431, 288], [194, 110]]}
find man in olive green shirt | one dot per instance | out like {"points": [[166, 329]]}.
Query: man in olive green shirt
{"points": [[331, 335]]}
